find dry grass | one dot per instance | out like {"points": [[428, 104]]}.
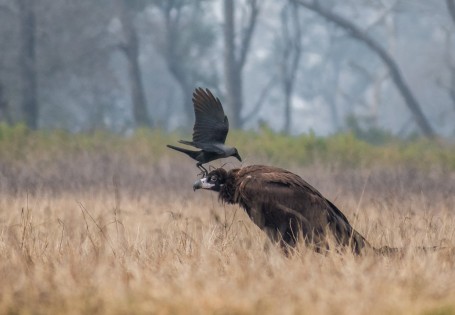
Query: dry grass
{"points": [[110, 234]]}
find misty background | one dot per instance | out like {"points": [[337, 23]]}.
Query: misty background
{"points": [[297, 66]]}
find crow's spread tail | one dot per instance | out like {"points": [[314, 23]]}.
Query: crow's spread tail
{"points": [[190, 153], [188, 143]]}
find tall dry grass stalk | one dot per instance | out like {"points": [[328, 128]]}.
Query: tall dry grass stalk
{"points": [[115, 235]]}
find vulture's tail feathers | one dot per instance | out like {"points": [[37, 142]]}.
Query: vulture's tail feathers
{"points": [[398, 252]]}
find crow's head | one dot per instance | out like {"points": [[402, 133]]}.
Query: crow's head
{"points": [[213, 181]]}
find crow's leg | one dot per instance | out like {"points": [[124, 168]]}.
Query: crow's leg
{"points": [[203, 169]]}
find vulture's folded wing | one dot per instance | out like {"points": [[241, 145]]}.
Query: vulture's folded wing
{"points": [[278, 190]]}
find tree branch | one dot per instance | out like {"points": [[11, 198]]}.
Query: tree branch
{"points": [[6, 9], [260, 101], [394, 70], [382, 15]]}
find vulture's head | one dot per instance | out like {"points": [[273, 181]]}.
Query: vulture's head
{"points": [[213, 181]]}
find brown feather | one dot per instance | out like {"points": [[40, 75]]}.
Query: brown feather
{"points": [[287, 207]]}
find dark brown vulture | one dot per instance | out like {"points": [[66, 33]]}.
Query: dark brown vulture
{"points": [[285, 206]]}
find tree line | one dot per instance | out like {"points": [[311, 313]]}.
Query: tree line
{"points": [[120, 64]]}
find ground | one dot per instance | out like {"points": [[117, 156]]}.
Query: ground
{"points": [[100, 233]]}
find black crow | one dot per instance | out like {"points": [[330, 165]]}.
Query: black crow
{"points": [[285, 206], [209, 131]]}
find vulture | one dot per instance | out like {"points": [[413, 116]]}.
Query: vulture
{"points": [[285, 206], [209, 132]]}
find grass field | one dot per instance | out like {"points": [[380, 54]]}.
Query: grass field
{"points": [[114, 232]]}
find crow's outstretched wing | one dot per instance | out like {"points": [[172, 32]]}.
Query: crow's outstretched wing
{"points": [[211, 124]]}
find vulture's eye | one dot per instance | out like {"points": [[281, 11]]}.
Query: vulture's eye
{"points": [[214, 178]]}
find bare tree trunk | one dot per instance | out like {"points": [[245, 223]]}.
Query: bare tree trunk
{"points": [[235, 58], [290, 59], [27, 62], [231, 70], [394, 70], [332, 100], [173, 62], [287, 109], [452, 89], [451, 8], [186, 88], [4, 109], [131, 50], [451, 67]]}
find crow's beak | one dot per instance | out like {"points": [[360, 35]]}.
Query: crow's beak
{"points": [[238, 157], [197, 185]]}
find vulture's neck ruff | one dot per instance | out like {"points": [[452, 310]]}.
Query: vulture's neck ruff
{"points": [[228, 189]]}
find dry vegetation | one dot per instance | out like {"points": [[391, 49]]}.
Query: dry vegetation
{"points": [[114, 233]]}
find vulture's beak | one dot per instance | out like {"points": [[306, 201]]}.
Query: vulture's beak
{"points": [[202, 183], [197, 185]]}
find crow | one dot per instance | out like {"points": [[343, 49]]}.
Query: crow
{"points": [[285, 206], [209, 131]]}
